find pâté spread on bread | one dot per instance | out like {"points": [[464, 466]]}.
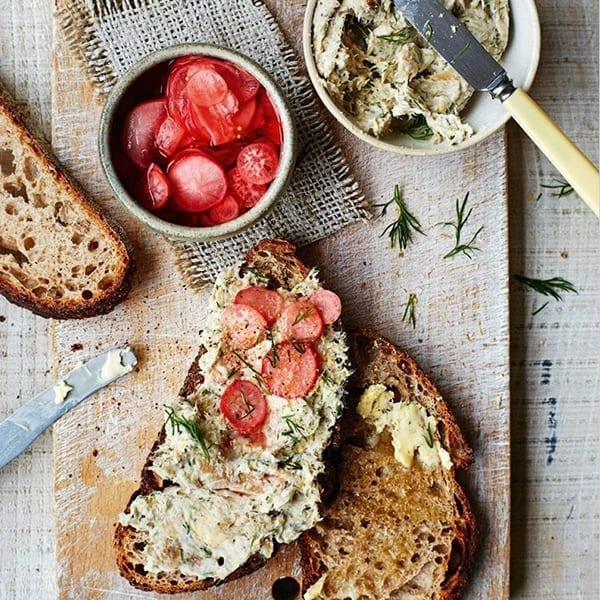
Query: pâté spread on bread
{"points": [[386, 77], [242, 453]]}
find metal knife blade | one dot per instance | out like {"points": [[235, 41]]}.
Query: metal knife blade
{"points": [[19, 430], [457, 45], [453, 41]]}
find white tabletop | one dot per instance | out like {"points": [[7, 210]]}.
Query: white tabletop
{"points": [[555, 354]]}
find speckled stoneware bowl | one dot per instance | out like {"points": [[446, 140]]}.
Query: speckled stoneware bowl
{"points": [[483, 114], [114, 109]]}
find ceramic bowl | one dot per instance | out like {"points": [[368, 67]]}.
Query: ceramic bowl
{"points": [[126, 93], [483, 114]]}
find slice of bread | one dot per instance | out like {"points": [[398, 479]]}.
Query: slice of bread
{"points": [[272, 264], [59, 257], [400, 525]]}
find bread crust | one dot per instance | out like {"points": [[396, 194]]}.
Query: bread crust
{"points": [[377, 360], [276, 260], [113, 233]]}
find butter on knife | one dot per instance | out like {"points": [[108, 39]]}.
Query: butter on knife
{"points": [[19, 430]]}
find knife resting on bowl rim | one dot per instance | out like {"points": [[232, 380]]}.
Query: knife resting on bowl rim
{"points": [[453, 41]]}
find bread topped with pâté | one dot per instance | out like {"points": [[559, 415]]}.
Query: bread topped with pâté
{"points": [[234, 472], [400, 525]]}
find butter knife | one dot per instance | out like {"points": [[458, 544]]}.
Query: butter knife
{"points": [[28, 422], [453, 41]]}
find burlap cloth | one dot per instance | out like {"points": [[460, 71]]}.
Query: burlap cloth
{"points": [[109, 36]]}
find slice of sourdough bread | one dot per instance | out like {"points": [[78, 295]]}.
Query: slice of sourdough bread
{"points": [[272, 264], [400, 526], [59, 257]]}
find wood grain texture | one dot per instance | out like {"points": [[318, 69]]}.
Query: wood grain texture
{"points": [[461, 338], [26, 500]]}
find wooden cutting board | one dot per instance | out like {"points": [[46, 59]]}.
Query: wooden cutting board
{"points": [[461, 338]]}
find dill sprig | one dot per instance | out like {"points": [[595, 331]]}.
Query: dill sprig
{"points": [[327, 380], [274, 355], [400, 231], [255, 374], [302, 315], [409, 310], [398, 36], [429, 436], [548, 287], [291, 463], [191, 426], [418, 128], [461, 220], [294, 430], [562, 187], [258, 276]]}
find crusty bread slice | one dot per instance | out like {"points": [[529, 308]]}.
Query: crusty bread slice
{"points": [[392, 532], [275, 260], [59, 257]]}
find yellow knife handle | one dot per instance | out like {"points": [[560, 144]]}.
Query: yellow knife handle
{"points": [[577, 169]]}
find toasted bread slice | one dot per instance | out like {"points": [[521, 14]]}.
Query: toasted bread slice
{"points": [[400, 525], [272, 264], [59, 257]]}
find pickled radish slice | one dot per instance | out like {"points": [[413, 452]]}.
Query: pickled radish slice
{"points": [[291, 370], [244, 85], [205, 86], [267, 302], [169, 136], [158, 189], [243, 327], [217, 120], [247, 194], [258, 162], [329, 305], [198, 182], [227, 210], [244, 406], [301, 321], [139, 132]]}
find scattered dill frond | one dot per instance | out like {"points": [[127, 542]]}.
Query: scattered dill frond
{"points": [[190, 425], [398, 36], [245, 362], [409, 310], [461, 219], [547, 287], [302, 315], [299, 347], [291, 463], [294, 430], [400, 231], [540, 309], [561, 186]]}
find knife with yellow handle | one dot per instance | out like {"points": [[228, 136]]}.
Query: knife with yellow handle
{"points": [[459, 48]]}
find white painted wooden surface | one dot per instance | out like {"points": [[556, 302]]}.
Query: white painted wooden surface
{"points": [[555, 365]]}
